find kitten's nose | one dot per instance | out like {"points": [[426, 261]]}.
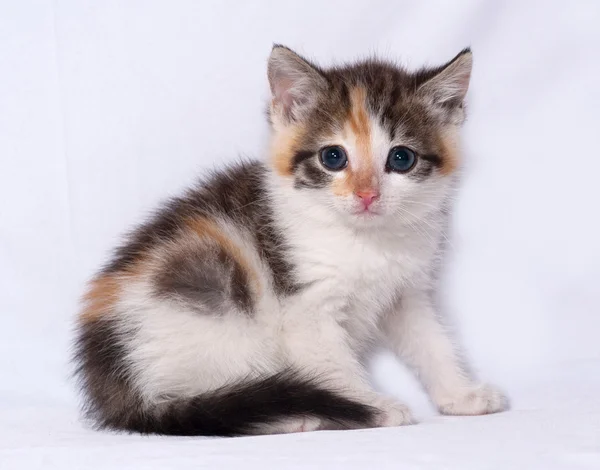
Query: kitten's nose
{"points": [[367, 196]]}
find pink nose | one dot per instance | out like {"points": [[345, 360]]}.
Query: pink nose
{"points": [[367, 196]]}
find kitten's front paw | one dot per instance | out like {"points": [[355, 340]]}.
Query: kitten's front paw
{"points": [[480, 400], [394, 413]]}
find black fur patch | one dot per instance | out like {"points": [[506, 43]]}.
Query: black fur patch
{"points": [[435, 160], [310, 175], [425, 167], [208, 277], [300, 157], [104, 375], [421, 172]]}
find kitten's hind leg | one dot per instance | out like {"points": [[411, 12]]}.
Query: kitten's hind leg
{"points": [[394, 413], [320, 346], [291, 425]]}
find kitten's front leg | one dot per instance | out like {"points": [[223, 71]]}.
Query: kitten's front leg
{"points": [[420, 340]]}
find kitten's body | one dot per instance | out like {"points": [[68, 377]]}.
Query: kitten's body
{"points": [[248, 305]]}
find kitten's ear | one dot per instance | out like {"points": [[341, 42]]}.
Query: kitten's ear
{"points": [[447, 85], [295, 83]]}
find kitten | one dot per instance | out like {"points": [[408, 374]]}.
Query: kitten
{"points": [[249, 304]]}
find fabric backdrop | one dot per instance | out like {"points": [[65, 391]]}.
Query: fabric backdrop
{"points": [[107, 107]]}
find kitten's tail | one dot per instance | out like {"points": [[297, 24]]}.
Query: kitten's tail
{"points": [[247, 407]]}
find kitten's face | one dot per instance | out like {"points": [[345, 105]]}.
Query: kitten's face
{"points": [[369, 142]]}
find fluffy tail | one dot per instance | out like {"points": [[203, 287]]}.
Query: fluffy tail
{"points": [[242, 408]]}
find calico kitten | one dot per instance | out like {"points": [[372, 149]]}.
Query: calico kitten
{"points": [[249, 304]]}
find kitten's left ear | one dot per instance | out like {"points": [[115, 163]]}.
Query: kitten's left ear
{"points": [[447, 85], [295, 83]]}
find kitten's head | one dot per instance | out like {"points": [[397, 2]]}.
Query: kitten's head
{"points": [[367, 141]]}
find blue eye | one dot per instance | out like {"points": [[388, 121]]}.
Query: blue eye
{"points": [[334, 158], [401, 159]]}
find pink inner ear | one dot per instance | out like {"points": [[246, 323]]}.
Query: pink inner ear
{"points": [[282, 92], [462, 81]]}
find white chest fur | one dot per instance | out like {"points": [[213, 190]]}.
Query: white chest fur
{"points": [[358, 274]]}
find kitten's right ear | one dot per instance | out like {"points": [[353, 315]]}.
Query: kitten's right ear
{"points": [[295, 83], [448, 84]]}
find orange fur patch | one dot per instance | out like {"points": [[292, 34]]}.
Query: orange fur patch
{"points": [[360, 175], [207, 229], [343, 186], [283, 148], [359, 122], [450, 150], [100, 298]]}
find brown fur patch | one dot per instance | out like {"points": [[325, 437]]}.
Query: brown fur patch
{"points": [[100, 298], [360, 176], [206, 228]]}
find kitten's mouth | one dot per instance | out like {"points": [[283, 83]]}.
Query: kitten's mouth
{"points": [[366, 213]]}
